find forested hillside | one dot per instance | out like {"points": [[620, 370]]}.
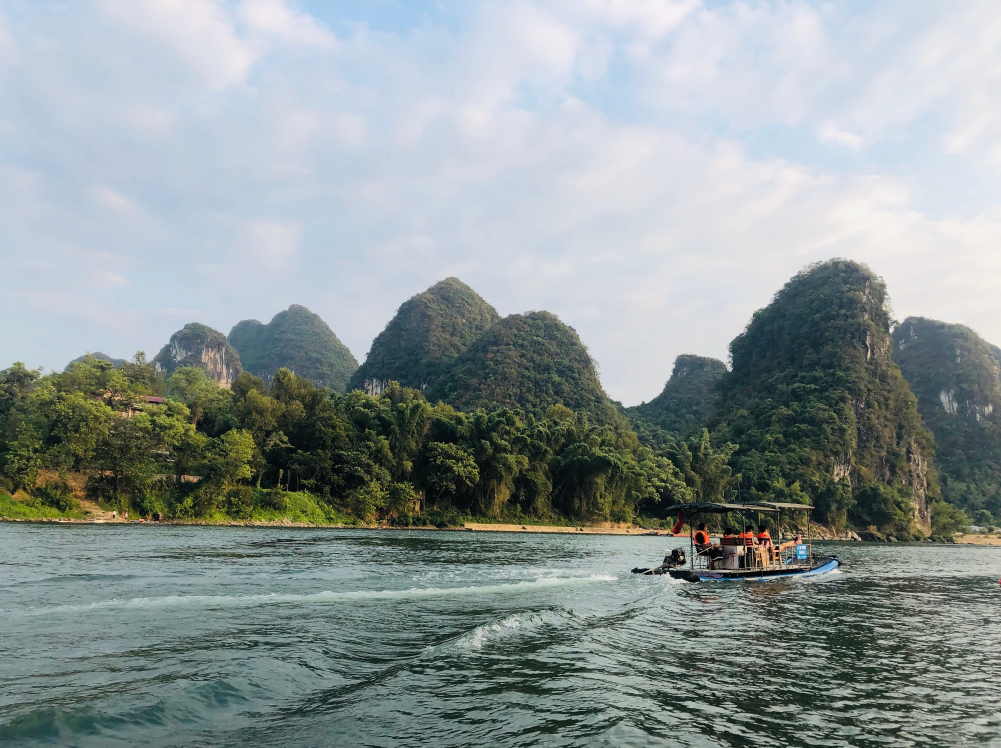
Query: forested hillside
{"points": [[298, 340], [819, 410], [955, 375], [685, 404], [530, 361], [427, 333]]}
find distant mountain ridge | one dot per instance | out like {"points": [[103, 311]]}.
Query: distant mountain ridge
{"points": [[296, 339], [116, 362]]}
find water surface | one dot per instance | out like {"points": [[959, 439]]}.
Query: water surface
{"points": [[204, 636]]}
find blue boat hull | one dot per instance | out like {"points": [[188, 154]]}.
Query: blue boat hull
{"points": [[823, 565]]}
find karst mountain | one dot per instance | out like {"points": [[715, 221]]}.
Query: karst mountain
{"points": [[201, 346], [298, 340], [955, 375], [819, 408], [530, 361], [427, 333], [686, 402]]}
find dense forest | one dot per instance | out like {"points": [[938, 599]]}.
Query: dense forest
{"points": [[506, 419], [292, 448]]}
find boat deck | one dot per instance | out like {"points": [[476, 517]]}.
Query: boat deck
{"points": [[821, 565]]}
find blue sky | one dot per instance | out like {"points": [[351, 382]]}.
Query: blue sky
{"points": [[652, 172]]}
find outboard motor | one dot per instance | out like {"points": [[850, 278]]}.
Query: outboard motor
{"points": [[675, 558]]}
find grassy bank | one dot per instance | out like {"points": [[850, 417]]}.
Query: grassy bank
{"points": [[277, 507], [26, 507]]}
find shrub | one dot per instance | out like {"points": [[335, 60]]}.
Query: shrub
{"points": [[443, 519], [240, 502], [367, 500], [57, 495], [275, 499]]}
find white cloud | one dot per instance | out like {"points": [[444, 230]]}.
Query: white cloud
{"points": [[645, 18], [275, 18], [832, 134], [113, 200], [200, 32], [602, 159]]}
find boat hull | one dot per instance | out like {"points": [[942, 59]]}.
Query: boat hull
{"points": [[822, 565]]}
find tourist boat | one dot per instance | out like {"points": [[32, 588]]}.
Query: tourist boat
{"points": [[739, 559]]}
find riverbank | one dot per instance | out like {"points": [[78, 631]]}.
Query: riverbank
{"points": [[978, 540], [604, 528]]}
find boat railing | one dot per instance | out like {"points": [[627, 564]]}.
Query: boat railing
{"points": [[751, 556]]}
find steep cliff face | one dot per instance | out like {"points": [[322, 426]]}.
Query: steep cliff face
{"points": [[530, 361], [298, 340], [427, 333], [686, 402], [957, 379], [819, 408], [199, 345]]}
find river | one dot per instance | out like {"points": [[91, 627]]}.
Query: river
{"points": [[214, 636]]}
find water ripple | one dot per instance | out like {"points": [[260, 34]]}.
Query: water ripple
{"points": [[235, 637]]}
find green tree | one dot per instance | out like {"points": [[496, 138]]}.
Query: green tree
{"points": [[128, 456], [705, 470], [231, 455], [448, 471], [947, 520], [203, 395], [24, 459]]}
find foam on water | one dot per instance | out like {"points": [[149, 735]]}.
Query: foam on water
{"points": [[326, 596]]}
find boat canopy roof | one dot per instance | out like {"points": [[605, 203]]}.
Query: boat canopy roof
{"points": [[780, 505], [709, 507]]}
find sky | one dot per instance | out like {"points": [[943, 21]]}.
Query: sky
{"points": [[652, 171]]}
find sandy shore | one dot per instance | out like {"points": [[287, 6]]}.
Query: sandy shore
{"points": [[978, 540], [606, 528]]}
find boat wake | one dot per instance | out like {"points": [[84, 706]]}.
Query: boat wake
{"points": [[327, 596]]}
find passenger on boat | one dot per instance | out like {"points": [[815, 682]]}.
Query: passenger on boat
{"points": [[764, 538], [702, 539], [704, 545], [748, 535], [791, 543]]}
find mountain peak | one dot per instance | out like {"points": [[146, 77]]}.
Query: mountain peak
{"points": [[428, 331], [296, 339]]}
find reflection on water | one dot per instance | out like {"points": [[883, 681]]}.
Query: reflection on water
{"points": [[239, 636]]}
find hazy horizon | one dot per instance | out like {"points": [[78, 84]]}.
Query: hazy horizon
{"points": [[651, 172]]}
